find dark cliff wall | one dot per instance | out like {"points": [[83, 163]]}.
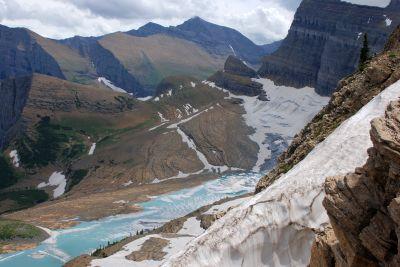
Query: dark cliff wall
{"points": [[324, 42], [105, 63], [14, 94], [20, 55]]}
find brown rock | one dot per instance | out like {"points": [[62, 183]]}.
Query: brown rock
{"points": [[152, 249], [363, 206]]}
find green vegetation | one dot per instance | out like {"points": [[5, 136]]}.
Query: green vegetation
{"points": [[125, 102], [8, 175], [48, 143], [364, 55], [95, 126], [114, 136], [99, 252], [76, 177], [10, 229], [25, 198], [392, 55]]}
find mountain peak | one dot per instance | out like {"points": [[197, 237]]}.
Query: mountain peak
{"points": [[149, 28], [194, 21], [197, 18], [150, 25]]}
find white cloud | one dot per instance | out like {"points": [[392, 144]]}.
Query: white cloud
{"points": [[262, 21]]}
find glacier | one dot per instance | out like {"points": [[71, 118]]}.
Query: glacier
{"points": [[276, 227]]}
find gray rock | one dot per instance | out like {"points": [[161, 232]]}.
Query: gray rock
{"points": [[21, 55], [105, 63], [324, 43], [14, 94]]}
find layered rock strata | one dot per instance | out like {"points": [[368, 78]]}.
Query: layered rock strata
{"points": [[324, 43], [364, 207]]}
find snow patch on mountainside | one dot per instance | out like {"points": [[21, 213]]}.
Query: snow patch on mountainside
{"points": [[388, 21], [92, 148], [110, 85], [285, 114], [144, 99], [15, 158], [276, 227], [56, 179], [233, 50], [162, 118]]}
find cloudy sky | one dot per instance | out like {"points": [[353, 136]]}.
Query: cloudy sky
{"points": [[263, 21]]}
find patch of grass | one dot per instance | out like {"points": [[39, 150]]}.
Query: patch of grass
{"points": [[285, 168], [392, 55], [25, 198], [10, 229], [128, 103], [76, 177], [115, 136], [93, 126], [9, 176]]}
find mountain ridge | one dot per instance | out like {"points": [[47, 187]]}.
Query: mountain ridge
{"points": [[199, 31]]}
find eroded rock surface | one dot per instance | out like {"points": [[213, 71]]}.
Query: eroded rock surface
{"points": [[236, 77], [363, 206]]}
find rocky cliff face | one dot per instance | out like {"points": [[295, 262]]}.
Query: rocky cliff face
{"points": [[14, 94], [324, 42], [351, 95], [236, 77], [105, 63], [21, 55], [235, 66], [364, 207]]}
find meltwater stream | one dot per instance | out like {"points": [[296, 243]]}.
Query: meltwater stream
{"points": [[87, 236]]}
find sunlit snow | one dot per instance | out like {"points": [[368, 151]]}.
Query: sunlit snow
{"points": [[110, 85], [92, 148], [15, 158], [276, 227], [56, 179]]}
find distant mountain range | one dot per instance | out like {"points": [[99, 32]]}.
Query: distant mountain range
{"points": [[135, 61]]}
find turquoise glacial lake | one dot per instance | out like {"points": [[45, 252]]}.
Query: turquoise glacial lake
{"points": [[87, 236]]}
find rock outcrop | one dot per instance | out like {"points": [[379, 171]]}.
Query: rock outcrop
{"points": [[364, 206], [14, 95], [235, 66], [236, 77], [324, 43], [351, 95], [21, 55]]}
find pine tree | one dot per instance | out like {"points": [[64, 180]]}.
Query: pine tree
{"points": [[364, 55]]}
